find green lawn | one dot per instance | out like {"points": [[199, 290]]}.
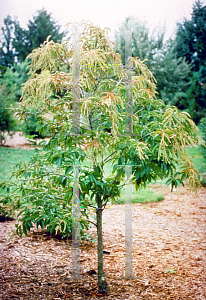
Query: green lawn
{"points": [[198, 159], [144, 195], [9, 158]]}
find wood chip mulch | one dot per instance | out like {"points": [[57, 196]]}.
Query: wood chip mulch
{"points": [[168, 255]]}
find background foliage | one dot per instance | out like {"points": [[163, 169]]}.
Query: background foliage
{"points": [[18, 42], [179, 64]]}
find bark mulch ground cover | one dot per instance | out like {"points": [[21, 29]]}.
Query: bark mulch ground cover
{"points": [[168, 255]]}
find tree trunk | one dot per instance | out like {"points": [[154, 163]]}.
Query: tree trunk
{"points": [[103, 287]]}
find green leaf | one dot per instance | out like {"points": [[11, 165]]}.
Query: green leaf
{"points": [[63, 181], [147, 169], [59, 162], [25, 228], [19, 230], [169, 181], [137, 175], [178, 181], [142, 173], [121, 160], [42, 223], [68, 169]]}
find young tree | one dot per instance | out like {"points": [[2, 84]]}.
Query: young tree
{"points": [[96, 136]]}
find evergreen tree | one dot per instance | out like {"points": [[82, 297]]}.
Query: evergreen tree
{"points": [[191, 37], [38, 30], [21, 69], [170, 72], [6, 50], [172, 75], [191, 44], [18, 42], [145, 43], [8, 92]]}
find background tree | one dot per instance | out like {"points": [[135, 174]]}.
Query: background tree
{"points": [[146, 44], [190, 37], [6, 50], [171, 74], [22, 70], [20, 42], [8, 92], [11, 81], [38, 30], [203, 133], [170, 71], [17, 42], [155, 148], [191, 44]]}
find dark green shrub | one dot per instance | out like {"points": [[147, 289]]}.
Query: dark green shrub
{"points": [[7, 122], [33, 125], [7, 97], [202, 126], [203, 179]]}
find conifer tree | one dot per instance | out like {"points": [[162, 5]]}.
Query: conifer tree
{"points": [[171, 72], [36, 33], [191, 44], [18, 42], [6, 50]]}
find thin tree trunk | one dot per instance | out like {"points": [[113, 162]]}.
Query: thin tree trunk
{"points": [[103, 287]]}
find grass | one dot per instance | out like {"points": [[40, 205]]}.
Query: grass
{"points": [[148, 195], [9, 158], [144, 195], [198, 159]]}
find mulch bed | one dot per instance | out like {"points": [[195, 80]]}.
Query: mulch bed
{"points": [[168, 255]]}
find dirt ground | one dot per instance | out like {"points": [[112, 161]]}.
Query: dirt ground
{"points": [[18, 140], [168, 255]]}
